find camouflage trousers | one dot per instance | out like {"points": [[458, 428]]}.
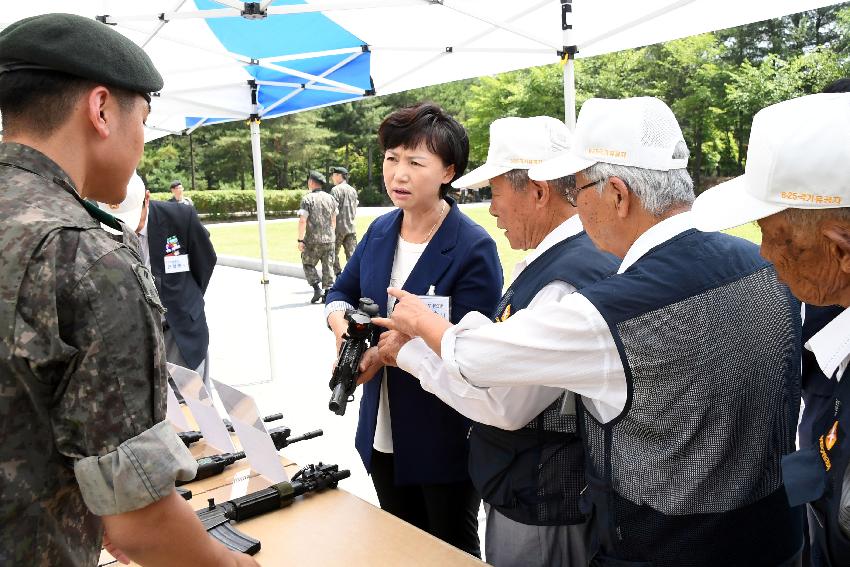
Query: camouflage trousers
{"points": [[313, 254], [347, 242]]}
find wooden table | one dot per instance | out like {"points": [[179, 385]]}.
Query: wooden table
{"points": [[329, 528]]}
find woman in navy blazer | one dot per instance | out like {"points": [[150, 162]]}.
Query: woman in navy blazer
{"points": [[418, 460]]}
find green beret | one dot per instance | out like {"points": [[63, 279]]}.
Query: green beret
{"points": [[316, 176], [339, 169], [77, 46]]}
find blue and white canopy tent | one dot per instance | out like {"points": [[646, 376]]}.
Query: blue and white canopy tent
{"points": [[226, 60]]}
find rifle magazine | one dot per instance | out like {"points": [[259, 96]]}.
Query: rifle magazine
{"points": [[234, 539]]}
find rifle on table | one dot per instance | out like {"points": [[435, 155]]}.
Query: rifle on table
{"points": [[267, 419], [280, 436], [356, 341], [189, 437], [212, 465], [215, 464], [217, 518]]}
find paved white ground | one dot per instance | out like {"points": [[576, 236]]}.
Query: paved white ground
{"points": [[303, 352]]}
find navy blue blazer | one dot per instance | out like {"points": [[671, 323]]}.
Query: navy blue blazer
{"points": [[429, 438], [182, 293]]}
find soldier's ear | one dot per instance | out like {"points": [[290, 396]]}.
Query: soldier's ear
{"points": [[97, 111]]}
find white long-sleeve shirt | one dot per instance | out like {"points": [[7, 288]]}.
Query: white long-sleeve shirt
{"points": [[506, 407], [831, 346], [564, 345]]}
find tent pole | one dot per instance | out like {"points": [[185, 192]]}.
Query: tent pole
{"points": [[570, 93], [254, 122], [192, 159], [568, 54]]}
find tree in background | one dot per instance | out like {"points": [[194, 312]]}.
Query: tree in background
{"points": [[714, 82]]}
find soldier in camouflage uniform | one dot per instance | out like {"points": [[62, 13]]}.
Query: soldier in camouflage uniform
{"points": [[346, 198], [316, 229], [83, 446]]}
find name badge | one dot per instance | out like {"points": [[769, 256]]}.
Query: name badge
{"points": [[175, 264], [439, 304]]}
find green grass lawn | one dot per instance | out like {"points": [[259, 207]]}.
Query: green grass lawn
{"points": [[281, 238]]}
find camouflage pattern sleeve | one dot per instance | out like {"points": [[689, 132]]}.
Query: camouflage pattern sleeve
{"points": [[141, 471], [87, 305]]}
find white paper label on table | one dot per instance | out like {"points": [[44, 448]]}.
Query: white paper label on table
{"points": [[239, 488], [200, 403], [249, 427], [173, 411]]}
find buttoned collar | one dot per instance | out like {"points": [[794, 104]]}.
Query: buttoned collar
{"points": [[566, 229], [655, 235], [831, 345]]}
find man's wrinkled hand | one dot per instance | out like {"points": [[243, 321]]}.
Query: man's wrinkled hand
{"points": [[389, 344], [407, 313], [369, 365]]}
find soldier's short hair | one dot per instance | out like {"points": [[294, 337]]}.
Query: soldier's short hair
{"points": [[41, 101], [426, 122]]}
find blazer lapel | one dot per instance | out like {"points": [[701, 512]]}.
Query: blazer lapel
{"points": [[438, 255], [156, 241], [381, 256]]}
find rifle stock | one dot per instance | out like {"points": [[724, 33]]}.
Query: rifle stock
{"points": [[218, 518]]}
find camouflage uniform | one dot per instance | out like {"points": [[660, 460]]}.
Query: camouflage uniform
{"points": [[346, 237], [320, 209], [82, 371]]}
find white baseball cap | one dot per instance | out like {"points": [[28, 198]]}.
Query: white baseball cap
{"points": [[130, 209], [639, 132], [518, 143], [798, 157]]}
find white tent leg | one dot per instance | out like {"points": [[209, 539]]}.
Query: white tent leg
{"points": [[261, 218], [570, 94], [569, 64]]}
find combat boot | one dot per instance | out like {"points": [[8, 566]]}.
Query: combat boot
{"points": [[317, 294]]}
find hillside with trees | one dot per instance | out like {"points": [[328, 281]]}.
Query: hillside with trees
{"points": [[714, 82]]}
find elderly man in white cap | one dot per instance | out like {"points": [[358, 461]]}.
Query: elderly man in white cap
{"points": [[797, 186], [526, 458], [686, 360]]}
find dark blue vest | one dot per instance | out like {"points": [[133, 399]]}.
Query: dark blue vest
{"points": [[689, 473], [817, 389], [816, 474], [534, 475]]}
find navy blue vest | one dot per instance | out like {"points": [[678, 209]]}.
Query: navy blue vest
{"points": [[689, 473], [817, 389], [816, 474], [534, 475]]}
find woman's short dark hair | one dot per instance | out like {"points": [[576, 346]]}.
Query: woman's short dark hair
{"points": [[426, 122]]}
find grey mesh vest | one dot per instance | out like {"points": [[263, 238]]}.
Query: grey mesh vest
{"points": [[689, 473]]}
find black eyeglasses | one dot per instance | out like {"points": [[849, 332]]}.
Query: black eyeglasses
{"points": [[572, 196]]}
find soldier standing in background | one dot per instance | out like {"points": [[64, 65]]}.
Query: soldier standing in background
{"points": [[316, 227], [346, 198], [177, 195], [86, 455]]}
